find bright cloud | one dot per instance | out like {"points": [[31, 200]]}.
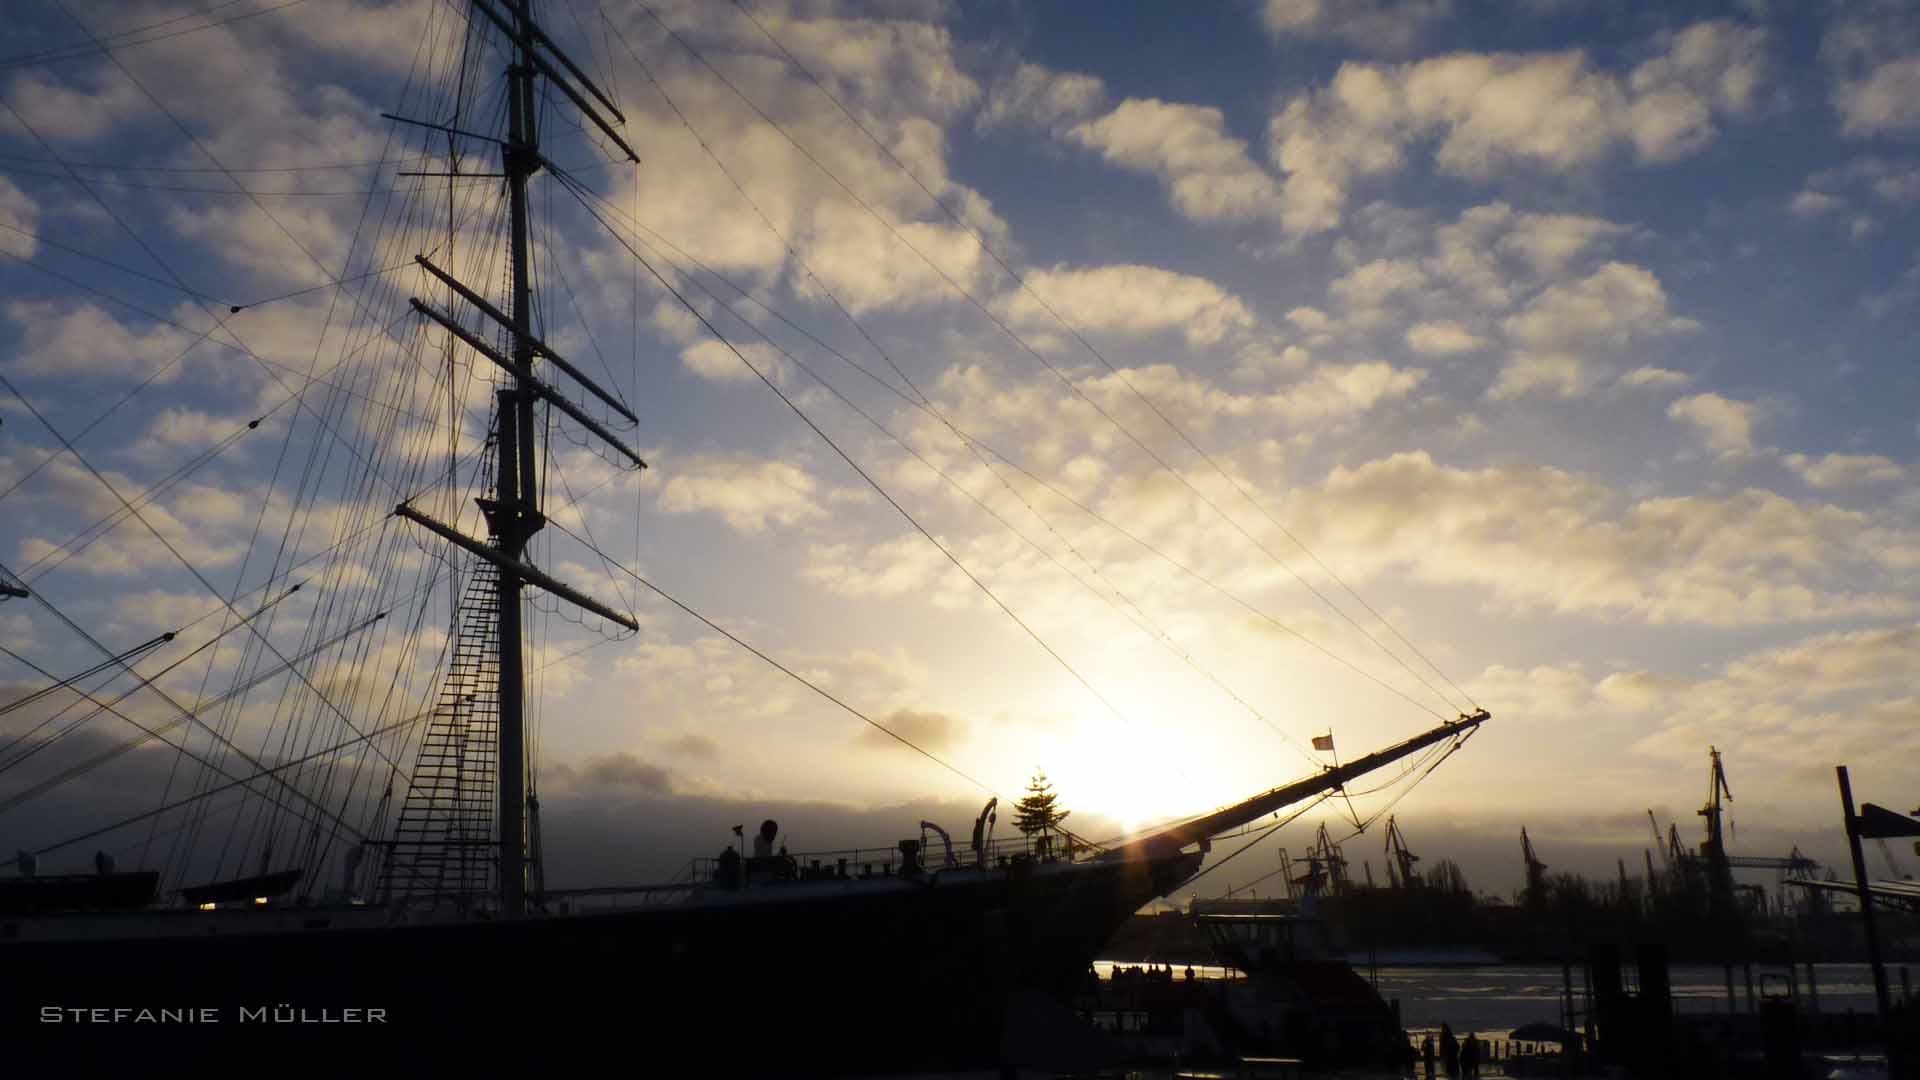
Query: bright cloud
{"points": [[1035, 95], [85, 341], [1507, 337], [1872, 55], [748, 496], [1443, 338], [1845, 470], [1208, 172], [1545, 538], [20, 216], [1129, 300], [1654, 377], [1605, 311], [1549, 111], [1724, 424], [725, 362], [1388, 26], [1535, 289]]}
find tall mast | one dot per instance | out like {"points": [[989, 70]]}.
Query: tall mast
{"points": [[513, 513], [516, 491]]}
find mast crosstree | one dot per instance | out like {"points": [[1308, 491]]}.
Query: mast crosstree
{"points": [[513, 513]]}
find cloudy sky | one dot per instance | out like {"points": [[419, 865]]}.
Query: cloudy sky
{"points": [[1157, 387]]}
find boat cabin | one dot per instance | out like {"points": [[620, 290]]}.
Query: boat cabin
{"points": [[1254, 935]]}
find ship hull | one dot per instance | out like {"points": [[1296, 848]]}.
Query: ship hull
{"points": [[809, 979]]}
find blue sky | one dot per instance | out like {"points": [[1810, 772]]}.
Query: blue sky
{"points": [[1576, 339]]}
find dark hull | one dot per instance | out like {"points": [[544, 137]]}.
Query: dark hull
{"points": [[862, 980], [28, 896]]}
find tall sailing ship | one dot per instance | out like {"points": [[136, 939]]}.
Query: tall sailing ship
{"points": [[419, 907]]}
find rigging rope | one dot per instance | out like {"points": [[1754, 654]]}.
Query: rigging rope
{"points": [[1268, 831], [1005, 459], [366, 737], [122, 660], [121, 166], [793, 406], [112, 41], [372, 470], [1140, 618], [791, 673], [1061, 376], [1018, 279]]}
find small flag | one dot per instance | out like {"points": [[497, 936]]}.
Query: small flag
{"points": [[1323, 742]]}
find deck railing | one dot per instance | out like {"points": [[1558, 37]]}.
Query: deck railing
{"points": [[872, 862], [860, 863], [617, 897]]}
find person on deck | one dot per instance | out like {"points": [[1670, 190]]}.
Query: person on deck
{"points": [[763, 840], [1449, 1050], [1427, 1054], [1470, 1056]]}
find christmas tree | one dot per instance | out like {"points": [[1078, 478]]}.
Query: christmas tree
{"points": [[1035, 813]]}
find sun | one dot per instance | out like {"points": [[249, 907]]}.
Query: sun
{"points": [[1123, 781]]}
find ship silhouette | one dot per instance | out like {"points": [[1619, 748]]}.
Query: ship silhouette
{"points": [[416, 921]]}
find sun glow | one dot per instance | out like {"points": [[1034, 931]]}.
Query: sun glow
{"points": [[1123, 780]]}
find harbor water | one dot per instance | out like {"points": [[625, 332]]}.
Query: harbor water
{"points": [[1498, 999], [1491, 1001]]}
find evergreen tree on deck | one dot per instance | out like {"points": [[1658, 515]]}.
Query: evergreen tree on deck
{"points": [[1035, 812]]}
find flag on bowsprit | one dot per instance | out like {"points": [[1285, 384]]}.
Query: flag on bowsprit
{"points": [[1323, 742]]}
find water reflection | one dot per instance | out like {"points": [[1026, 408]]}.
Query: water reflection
{"points": [[1499, 999]]}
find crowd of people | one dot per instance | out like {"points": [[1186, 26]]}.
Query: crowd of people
{"points": [[1460, 1058]]}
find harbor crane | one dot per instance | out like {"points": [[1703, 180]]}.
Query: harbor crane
{"points": [[1684, 871], [1326, 856], [1714, 847], [1536, 894], [1400, 861]]}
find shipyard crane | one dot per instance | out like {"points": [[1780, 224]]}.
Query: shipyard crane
{"points": [[1399, 860], [1791, 867], [1536, 894], [1314, 882], [1713, 849], [1308, 884], [1678, 857], [1328, 858], [1655, 881], [1683, 868]]}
